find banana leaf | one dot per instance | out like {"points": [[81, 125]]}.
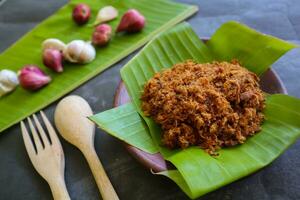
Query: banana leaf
{"points": [[196, 172], [21, 103], [131, 129]]}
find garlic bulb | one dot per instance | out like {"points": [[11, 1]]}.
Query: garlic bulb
{"points": [[106, 14], [79, 51], [8, 81], [53, 43]]}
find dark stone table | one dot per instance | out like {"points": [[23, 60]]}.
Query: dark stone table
{"points": [[280, 180]]}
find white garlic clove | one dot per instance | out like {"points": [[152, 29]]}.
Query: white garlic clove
{"points": [[3, 90], [67, 57], [8, 81], [88, 53], [79, 51], [8, 77], [73, 50], [53, 43], [106, 14]]}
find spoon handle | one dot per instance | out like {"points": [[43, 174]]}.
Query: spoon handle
{"points": [[106, 189], [58, 188]]}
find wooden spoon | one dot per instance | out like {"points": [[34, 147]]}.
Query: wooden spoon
{"points": [[71, 121]]}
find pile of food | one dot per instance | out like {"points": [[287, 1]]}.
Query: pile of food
{"points": [[211, 105]]}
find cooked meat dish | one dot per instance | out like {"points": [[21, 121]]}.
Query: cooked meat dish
{"points": [[210, 105]]}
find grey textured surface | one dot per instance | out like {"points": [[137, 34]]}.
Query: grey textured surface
{"points": [[280, 180]]}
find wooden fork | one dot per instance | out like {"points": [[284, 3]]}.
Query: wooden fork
{"points": [[47, 157]]}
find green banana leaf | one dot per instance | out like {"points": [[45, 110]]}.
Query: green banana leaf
{"points": [[196, 172], [21, 103], [132, 126], [252, 49]]}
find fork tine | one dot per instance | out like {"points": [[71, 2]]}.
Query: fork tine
{"points": [[51, 131], [41, 131], [36, 138], [27, 140]]}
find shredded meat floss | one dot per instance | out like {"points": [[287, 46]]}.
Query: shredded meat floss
{"points": [[211, 105]]}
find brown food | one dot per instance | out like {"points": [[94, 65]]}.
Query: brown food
{"points": [[211, 105]]}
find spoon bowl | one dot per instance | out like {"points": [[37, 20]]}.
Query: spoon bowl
{"points": [[71, 121]]}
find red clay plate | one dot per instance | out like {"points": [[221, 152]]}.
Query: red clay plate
{"points": [[270, 83]]}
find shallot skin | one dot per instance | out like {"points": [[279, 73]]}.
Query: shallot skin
{"points": [[53, 59], [32, 77], [102, 35], [81, 14], [132, 21], [106, 14]]}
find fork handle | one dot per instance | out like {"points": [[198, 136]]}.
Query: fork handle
{"points": [[106, 189], [59, 189]]}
